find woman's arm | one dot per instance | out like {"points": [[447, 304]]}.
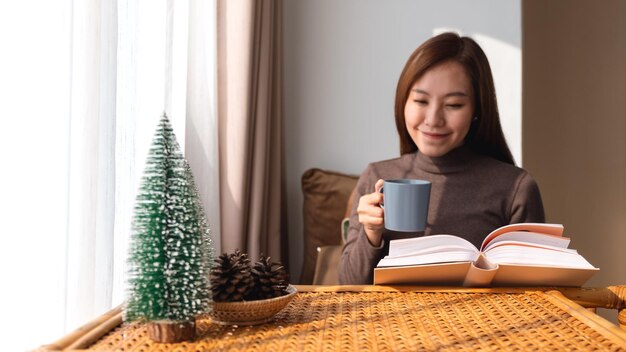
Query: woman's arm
{"points": [[359, 255], [527, 205]]}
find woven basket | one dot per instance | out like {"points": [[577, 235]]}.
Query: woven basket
{"points": [[250, 312]]}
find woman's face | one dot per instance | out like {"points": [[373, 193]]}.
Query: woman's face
{"points": [[440, 108]]}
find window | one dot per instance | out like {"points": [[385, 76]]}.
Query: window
{"points": [[83, 87]]}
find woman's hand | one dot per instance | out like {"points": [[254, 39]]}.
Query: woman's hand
{"points": [[371, 215]]}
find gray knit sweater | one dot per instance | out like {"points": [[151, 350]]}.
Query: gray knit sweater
{"points": [[471, 195]]}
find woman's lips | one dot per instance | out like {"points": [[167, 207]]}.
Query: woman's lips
{"points": [[435, 135]]}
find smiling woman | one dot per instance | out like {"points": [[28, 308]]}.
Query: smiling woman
{"points": [[450, 134], [439, 110]]}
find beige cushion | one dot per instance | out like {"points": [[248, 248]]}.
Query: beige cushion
{"points": [[326, 195]]}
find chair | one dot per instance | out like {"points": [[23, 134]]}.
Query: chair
{"points": [[328, 257], [325, 198]]}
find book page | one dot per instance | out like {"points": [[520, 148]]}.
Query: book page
{"points": [[403, 247], [436, 249], [549, 229], [493, 245], [536, 256], [530, 237], [429, 258]]}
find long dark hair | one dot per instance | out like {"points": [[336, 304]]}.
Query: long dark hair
{"points": [[485, 135]]}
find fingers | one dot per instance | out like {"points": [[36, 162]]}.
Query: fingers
{"points": [[371, 215], [379, 184], [370, 204], [372, 222]]}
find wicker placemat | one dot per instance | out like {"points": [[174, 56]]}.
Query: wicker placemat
{"points": [[392, 321]]}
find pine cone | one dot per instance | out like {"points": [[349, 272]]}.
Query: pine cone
{"points": [[231, 278], [270, 279]]}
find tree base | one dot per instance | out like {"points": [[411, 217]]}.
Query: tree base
{"points": [[165, 331]]}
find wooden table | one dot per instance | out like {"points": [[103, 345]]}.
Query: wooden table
{"points": [[396, 318]]}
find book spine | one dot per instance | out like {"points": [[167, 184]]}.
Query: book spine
{"points": [[480, 273]]}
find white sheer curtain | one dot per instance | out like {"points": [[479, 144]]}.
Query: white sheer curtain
{"points": [[84, 83], [91, 196], [166, 62]]}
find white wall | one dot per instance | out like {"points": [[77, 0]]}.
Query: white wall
{"points": [[342, 62]]}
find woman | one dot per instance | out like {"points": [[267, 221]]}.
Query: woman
{"points": [[450, 134]]}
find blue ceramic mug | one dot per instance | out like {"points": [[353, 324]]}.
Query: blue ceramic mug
{"points": [[406, 204]]}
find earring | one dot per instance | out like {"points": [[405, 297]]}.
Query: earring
{"points": [[475, 118]]}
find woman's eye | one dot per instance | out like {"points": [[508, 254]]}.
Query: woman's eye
{"points": [[420, 101], [454, 106]]}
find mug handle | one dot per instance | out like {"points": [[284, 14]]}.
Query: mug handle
{"points": [[382, 205]]}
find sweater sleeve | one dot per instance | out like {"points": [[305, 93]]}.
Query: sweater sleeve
{"points": [[527, 205], [359, 257]]}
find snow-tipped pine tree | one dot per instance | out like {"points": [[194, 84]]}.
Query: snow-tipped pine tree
{"points": [[170, 250]]}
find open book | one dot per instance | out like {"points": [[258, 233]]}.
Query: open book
{"points": [[526, 254]]}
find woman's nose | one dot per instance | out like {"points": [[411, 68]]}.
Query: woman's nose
{"points": [[434, 116]]}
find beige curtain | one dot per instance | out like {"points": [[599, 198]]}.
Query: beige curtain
{"points": [[250, 127]]}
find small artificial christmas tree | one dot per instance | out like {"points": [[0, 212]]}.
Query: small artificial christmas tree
{"points": [[170, 250]]}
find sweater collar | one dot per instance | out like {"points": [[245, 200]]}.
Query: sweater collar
{"points": [[454, 161]]}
